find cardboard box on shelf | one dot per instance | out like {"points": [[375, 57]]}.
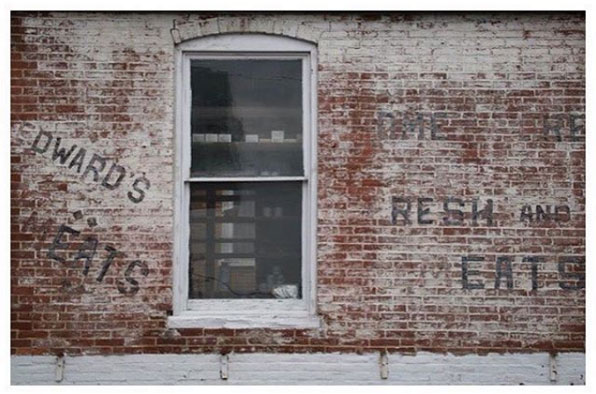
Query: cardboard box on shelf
{"points": [[251, 138], [198, 137], [211, 137]]}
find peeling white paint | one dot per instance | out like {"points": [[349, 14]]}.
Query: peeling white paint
{"points": [[307, 368]]}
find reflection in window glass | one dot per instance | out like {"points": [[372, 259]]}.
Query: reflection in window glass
{"points": [[246, 117], [247, 242]]}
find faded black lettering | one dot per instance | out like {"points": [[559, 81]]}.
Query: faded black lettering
{"points": [[112, 253], [574, 127], [450, 213], [434, 127], [32, 224], [141, 192], [486, 213], [121, 173], [526, 214], [466, 272], [77, 161], [541, 214], [423, 211], [36, 146], [57, 244], [410, 126], [504, 271], [396, 210], [533, 260], [382, 131], [553, 126], [579, 278], [134, 288], [87, 252], [562, 213], [91, 167], [60, 153]]}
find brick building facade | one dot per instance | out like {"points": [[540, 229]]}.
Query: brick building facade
{"points": [[449, 154]]}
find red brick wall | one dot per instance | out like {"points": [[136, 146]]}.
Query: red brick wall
{"points": [[451, 183]]}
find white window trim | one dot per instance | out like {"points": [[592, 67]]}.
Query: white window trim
{"points": [[246, 313]]}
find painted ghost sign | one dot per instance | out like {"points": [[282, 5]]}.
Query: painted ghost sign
{"points": [[67, 238], [84, 163], [88, 249]]}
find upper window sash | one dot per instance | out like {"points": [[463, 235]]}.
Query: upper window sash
{"points": [[307, 118]]}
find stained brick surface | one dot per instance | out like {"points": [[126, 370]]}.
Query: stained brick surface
{"points": [[451, 187]]}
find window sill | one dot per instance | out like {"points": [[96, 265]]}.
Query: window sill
{"points": [[190, 319]]}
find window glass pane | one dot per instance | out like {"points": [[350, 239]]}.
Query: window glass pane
{"points": [[245, 242], [246, 117]]}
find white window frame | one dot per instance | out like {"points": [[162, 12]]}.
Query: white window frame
{"points": [[244, 313]]}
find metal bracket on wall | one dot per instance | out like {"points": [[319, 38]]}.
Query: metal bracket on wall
{"points": [[59, 368], [224, 369], [384, 365], [552, 361], [175, 33]]}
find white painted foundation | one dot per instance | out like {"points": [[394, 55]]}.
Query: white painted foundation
{"points": [[308, 368]]}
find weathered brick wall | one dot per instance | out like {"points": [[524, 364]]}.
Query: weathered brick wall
{"points": [[451, 182]]}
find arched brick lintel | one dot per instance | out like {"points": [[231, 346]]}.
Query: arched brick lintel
{"points": [[192, 29]]}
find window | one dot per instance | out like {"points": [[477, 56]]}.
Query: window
{"points": [[246, 183]]}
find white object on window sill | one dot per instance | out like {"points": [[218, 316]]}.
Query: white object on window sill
{"points": [[285, 291]]}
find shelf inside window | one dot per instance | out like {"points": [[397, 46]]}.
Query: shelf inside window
{"points": [[226, 159], [246, 111]]}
